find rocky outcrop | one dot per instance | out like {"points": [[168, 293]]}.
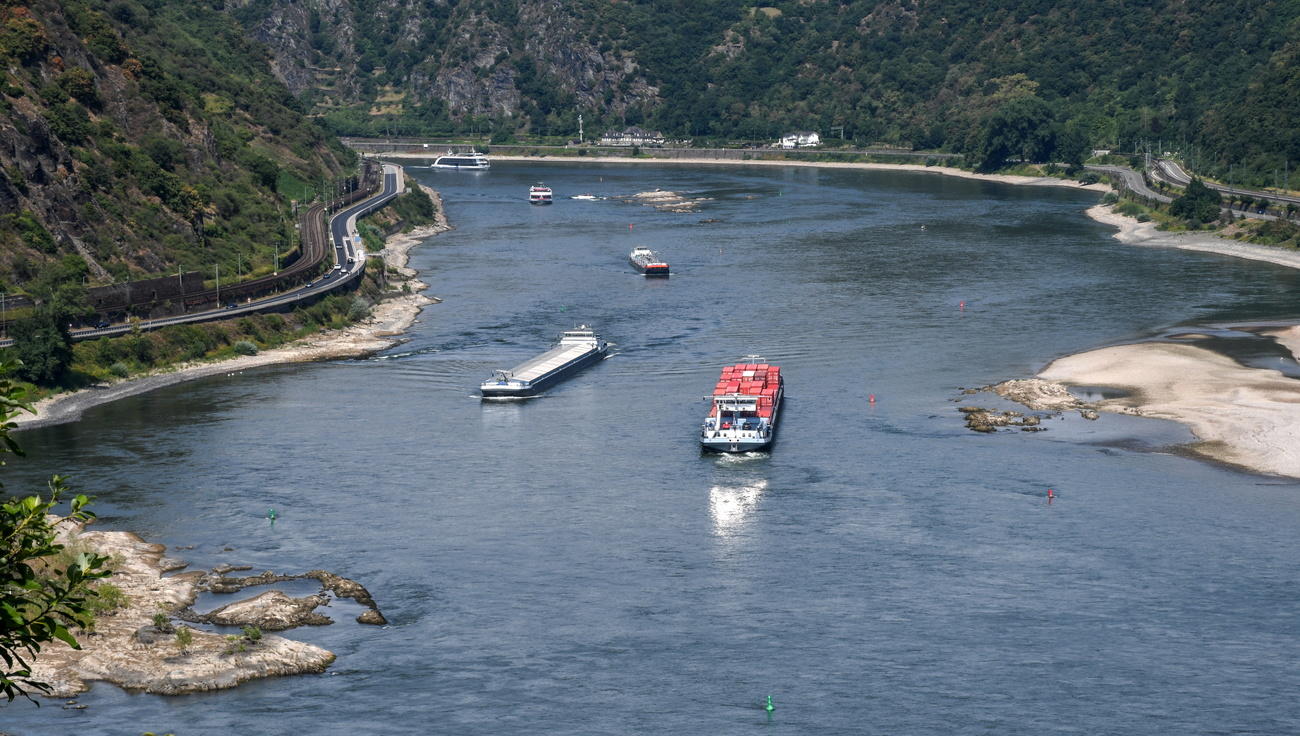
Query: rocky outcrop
{"points": [[285, 607], [1036, 394], [133, 648]]}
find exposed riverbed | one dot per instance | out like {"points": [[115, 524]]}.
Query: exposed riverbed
{"points": [[574, 565]]}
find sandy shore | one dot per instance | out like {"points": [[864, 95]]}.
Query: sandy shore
{"points": [[388, 321], [1245, 416], [1145, 234], [1042, 181], [1248, 417]]}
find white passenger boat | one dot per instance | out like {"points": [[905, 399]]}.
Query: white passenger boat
{"points": [[744, 408], [539, 194], [452, 160], [577, 348]]}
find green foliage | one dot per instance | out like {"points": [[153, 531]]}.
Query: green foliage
{"points": [[39, 602], [22, 37], [43, 345], [184, 638], [29, 229], [245, 347], [106, 598], [1198, 203], [415, 207], [252, 634], [163, 623], [1020, 128]]}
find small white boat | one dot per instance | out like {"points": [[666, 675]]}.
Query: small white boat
{"points": [[539, 194], [585, 197]]}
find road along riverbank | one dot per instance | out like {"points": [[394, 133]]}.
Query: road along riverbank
{"points": [[388, 320]]}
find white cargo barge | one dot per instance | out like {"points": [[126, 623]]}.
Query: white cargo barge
{"points": [[577, 348]]}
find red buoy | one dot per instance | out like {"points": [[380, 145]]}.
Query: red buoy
{"points": [[1050, 495], [962, 306], [871, 398]]}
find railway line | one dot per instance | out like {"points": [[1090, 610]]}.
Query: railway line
{"points": [[381, 184]]}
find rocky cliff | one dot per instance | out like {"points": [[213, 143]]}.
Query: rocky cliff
{"points": [[372, 62]]}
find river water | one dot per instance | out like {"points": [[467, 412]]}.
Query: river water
{"points": [[574, 565]]}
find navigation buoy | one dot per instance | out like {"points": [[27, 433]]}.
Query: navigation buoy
{"points": [[769, 707], [270, 514], [629, 226], [1051, 495], [871, 398], [961, 306]]}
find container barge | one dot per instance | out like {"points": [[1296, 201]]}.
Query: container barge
{"points": [[577, 348], [647, 262], [744, 407]]}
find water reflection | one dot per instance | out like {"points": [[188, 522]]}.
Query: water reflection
{"points": [[732, 504]]}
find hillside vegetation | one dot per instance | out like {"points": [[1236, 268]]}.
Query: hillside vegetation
{"points": [[143, 138], [1217, 80]]}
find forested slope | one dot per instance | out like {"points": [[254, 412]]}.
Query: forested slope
{"points": [[137, 138], [1037, 77]]}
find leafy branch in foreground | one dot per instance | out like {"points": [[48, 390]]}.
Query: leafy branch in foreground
{"points": [[39, 600]]}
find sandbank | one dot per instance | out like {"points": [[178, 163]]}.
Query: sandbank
{"points": [[1245, 416], [389, 319]]}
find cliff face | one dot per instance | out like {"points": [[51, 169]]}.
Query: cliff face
{"points": [[441, 59], [141, 141]]}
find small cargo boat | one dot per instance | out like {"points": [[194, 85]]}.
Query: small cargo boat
{"points": [[744, 407], [577, 348], [539, 194], [647, 262]]}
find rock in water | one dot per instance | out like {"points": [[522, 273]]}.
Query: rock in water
{"points": [[272, 611]]}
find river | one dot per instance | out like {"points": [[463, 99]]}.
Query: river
{"points": [[574, 565]]}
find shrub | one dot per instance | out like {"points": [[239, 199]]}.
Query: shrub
{"points": [[358, 310], [119, 369], [245, 347], [252, 633], [107, 598], [184, 637], [162, 622]]}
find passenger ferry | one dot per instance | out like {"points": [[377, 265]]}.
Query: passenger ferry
{"points": [[744, 407], [452, 160], [577, 348], [647, 262], [539, 194]]}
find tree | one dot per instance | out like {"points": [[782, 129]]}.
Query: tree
{"points": [[39, 600], [1198, 203], [43, 345], [1021, 127]]}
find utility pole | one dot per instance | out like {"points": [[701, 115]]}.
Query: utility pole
{"points": [[180, 284], [579, 127], [218, 267]]}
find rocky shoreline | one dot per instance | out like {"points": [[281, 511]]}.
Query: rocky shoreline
{"points": [[389, 319], [139, 647]]}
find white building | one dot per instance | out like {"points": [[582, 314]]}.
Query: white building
{"points": [[800, 139], [632, 136]]}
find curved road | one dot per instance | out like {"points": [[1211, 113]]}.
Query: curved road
{"points": [[1171, 172], [349, 264]]}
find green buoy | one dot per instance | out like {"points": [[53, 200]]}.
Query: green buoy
{"points": [[769, 707], [270, 514]]}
